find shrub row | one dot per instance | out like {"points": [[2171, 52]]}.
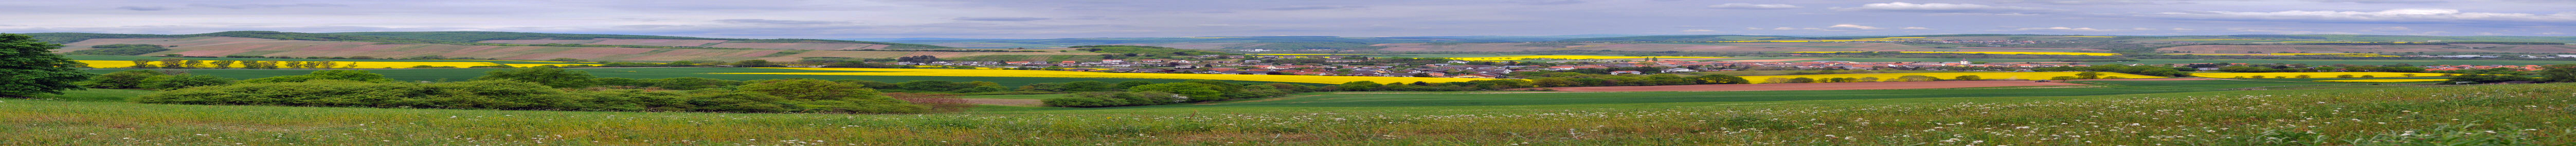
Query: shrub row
{"points": [[772, 96]]}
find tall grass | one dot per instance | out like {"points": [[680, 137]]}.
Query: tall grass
{"points": [[2536, 114]]}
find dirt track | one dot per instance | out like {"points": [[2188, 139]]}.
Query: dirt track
{"points": [[2154, 79], [1780, 60], [1819, 86], [1004, 102]]}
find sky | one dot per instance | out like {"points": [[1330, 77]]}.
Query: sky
{"points": [[1350, 18]]}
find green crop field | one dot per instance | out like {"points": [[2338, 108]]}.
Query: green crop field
{"points": [[462, 74], [2120, 112]]}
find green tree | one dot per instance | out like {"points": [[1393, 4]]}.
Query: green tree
{"points": [[689, 83], [1914, 78], [1360, 86], [29, 67], [1196, 91], [551, 77], [753, 63], [1802, 80], [128, 79], [2559, 73], [2088, 75], [1131, 84], [344, 75], [171, 82], [815, 95], [1968, 78], [1085, 86], [1718, 79], [933, 85]]}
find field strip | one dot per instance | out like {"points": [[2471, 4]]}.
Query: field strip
{"points": [[1257, 100], [1004, 102], [1780, 60], [1819, 86]]}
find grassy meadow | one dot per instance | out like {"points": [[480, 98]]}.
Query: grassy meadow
{"points": [[2209, 112]]}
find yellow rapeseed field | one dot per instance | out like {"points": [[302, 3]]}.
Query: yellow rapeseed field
{"points": [[493, 60], [1945, 76], [2385, 80], [2316, 74], [2016, 53], [513, 60], [335, 64], [1077, 74], [1535, 57]]}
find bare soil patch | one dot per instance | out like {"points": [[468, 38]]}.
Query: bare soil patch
{"points": [[1819, 86], [1780, 60], [1004, 102], [2154, 79]]}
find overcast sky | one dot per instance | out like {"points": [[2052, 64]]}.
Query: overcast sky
{"points": [[1355, 18]]}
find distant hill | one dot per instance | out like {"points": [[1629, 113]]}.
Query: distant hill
{"points": [[77, 37], [243, 46], [1672, 38], [486, 36], [1236, 42], [911, 39]]}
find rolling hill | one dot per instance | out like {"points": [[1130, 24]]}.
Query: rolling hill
{"points": [[640, 40], [242, 46]]}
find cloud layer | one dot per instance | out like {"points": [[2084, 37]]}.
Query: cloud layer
{"points": [[1183, 18]]}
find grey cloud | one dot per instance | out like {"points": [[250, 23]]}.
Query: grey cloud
{"points": [[2107, 2], [1753, 6], [785, 22], [1294, 8], [1946, 8], [1553, 2], [1001, 18], [250, 6], [143, 8], [2384, 1], [2391, 15]]}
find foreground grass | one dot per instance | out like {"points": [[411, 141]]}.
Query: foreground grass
{"points": [[2536, 114]]}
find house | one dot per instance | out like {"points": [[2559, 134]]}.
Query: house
{"points": [[1626, 72], [1674, 70]]}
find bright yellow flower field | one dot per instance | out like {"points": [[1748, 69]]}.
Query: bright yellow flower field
{"points": [[2016, 53], [2314, 74], [2385, 80], [1945, 76], [1077, 74]]}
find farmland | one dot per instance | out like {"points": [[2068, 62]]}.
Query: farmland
{"points": [[2015, 53], [1075, 74], [2155, 110], [2316, 74], [462, 74], [1986, 75], [2383, 80], [1570, 57], [232, 46]]}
